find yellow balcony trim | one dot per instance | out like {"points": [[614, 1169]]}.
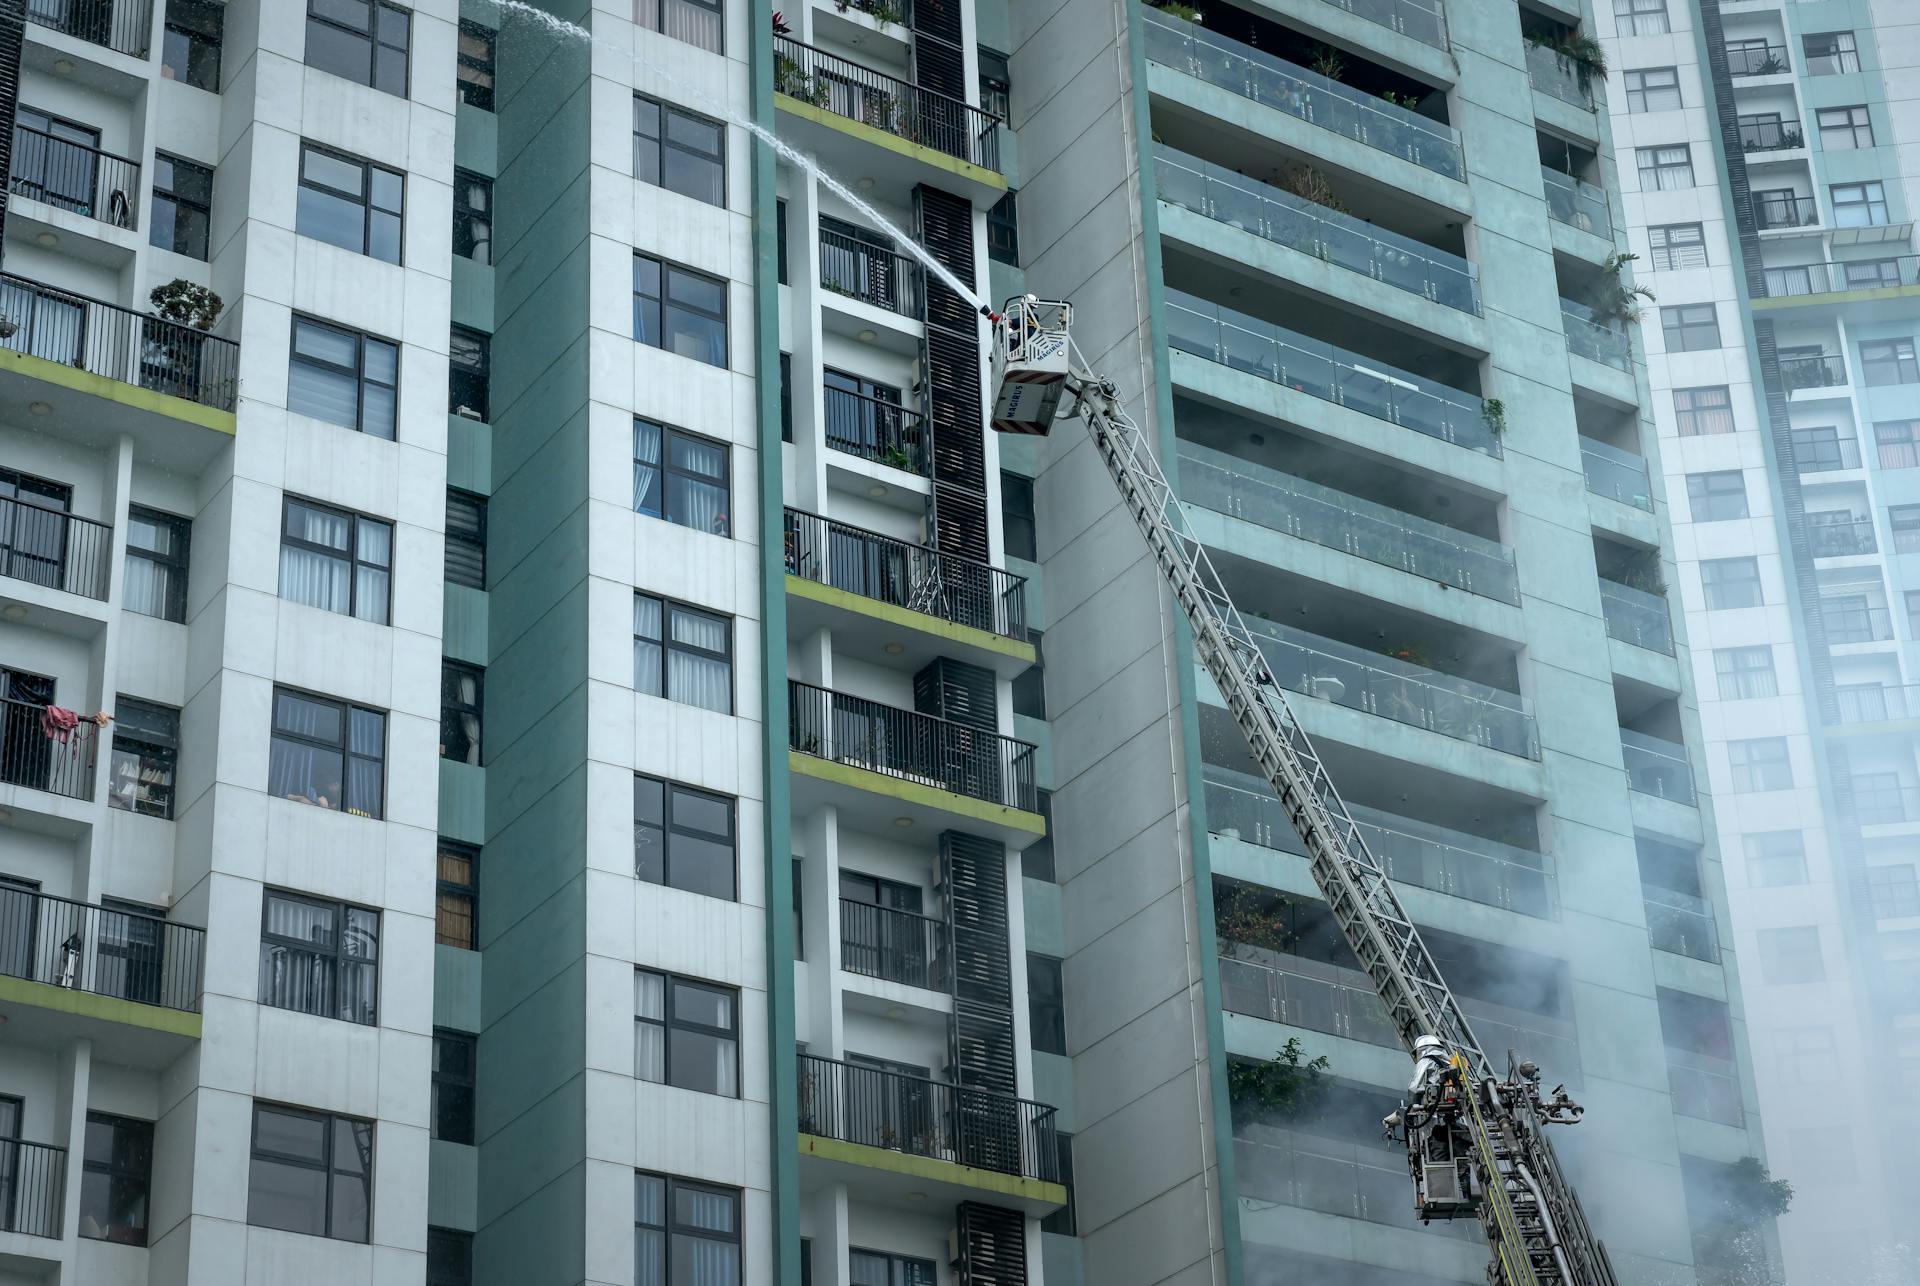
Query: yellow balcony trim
{"points": [[1830, 298], [112, 390], [891, 142], [110, 1009], [934, 1170], [913, 792], [964, 635]]}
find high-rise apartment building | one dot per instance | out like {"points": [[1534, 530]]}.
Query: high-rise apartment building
{"points": [[1770, 199], [724, 934]]}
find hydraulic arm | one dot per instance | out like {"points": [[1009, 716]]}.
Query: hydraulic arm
{"points": [[1476, 1139]]}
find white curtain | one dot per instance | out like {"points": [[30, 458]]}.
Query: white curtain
{"points": [[649, 1037], [695, 23], [375, 549], [700, 680], [646, 645], [308, 576], [697, 486], [646, 468]]}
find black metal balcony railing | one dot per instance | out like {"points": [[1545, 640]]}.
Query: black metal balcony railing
{"points": [[918, 115], [1770, 134], [54, 549], [894, 945], [1828, 370], [1757, 60], [1856, 623], [877, 430], [75, 177], [1834, 278], [926, 1118], [952, 587], [101, 951], [1786, 212], [106, 339], [37, 752], [33, 1188], [975, 762], [872, 274], [1841, 539], [119, 25]]}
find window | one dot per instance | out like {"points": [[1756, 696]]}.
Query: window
{"points": [[996, 84], [1003, 230], [466, 545], [1745, 672], [462, 688], [1700, 411], [1898, 442], [786, 397], [1858, 205], [686, 1033], [874, 1268], [1805, 1055], [1046, 1014], [1717, 497], [1017, 530], [1036, 859], [452, 1108], [1791, 955], [1678, 245], [312, 1172], [1641, 17], [681, 311], [319, 957], [1730, 582], [146, 749], [327, 753], [350, 203], [1760, 764], [1878, 798], [469, 365], [473, 217], [1664, 169], [780, 247], [456, 895], [156, 571], [190, 45], [680, 477], [701, 23], [1030, 685], [799, 920], [1776, 859], [476, 65], [1821, 449], [336, 561], [684, 1233], [449, 1257], [1831, 53], [1905, 522], [343, 377], [1845, 128], [698, 648], [1851, 618], [182, 206], [1870, 274], [116, 1179], [1896, 893], [678, 151], [1061, 1221], [683, 838], [360, 40], [1889, 361], [1653, 89], [1783, 208], [1689, 328]]}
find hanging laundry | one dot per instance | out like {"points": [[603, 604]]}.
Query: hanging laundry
{"points": [[57, 723]]}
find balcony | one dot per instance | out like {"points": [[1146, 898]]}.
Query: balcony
{"points": [[74, 177], [871, 274], [871, 428], [69, 330], [1348, 1178], [55, 550], [1241, 806], [1851, 621], [893, 945], [1635, 616], [1824, 452], [871, 1107], [1577, 204], [1866, 703], [1680, 924], [1321, 370], [1704, 1087], [33, 1188], [1374, 684], [1558, 76], [1598, 341], [1615, 474], [1802, 279], [1774, 212], [1657, 767], [1842, 539], [1308, 511], [119, 25], [1827, 370], [1770, 134], [40, 754], [1305, 95], [79, 946], [1285, 219], [879, 760], [1420, 19], [1885, 805], [1757, 59]]}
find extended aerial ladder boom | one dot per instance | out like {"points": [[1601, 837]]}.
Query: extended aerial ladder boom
{"points": [[1533, 1221]]}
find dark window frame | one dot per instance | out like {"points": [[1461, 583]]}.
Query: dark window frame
{"points": [[1682, 324], [1737, 678], [326, 1165], [897, 1269], [1017, 517], [670, 1229], [453, 706], [1753, 772], [996, 83], [1903, 522], [455, 1083], [668, 827], [364, 199], [1046, 1005], [358, 372], [175, 564], [470, 68], [1839, 53], [171, 194], [1642, 91], [666, 470], [1628, 16], [466, 535], [145, 746], [342, 961], [1695, 415], [1062, 1221], [444, 1244], [350, 556], [1658, 161], [1003, 230], [663, 141], [1855, 118], [650, 15], [668, 1023], [1716, 587], [117, 1172], [453, 897], [194, 39], [1882, 357], [375, 43], [1706, 492], [662, 306], [1901, 435], [667, 644], [1668, 254], [469, 380], [470, 219], [348, 756], [1872, 200]]}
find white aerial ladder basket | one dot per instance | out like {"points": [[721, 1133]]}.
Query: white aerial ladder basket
{"points": [[1032, 359]]}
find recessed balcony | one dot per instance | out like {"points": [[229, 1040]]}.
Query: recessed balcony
{"points": [[1770, 132], [1774, 211], [866, 272], [1747, 58], [120, 25], [1423, 20], [1841, 536], [1815, 371], [1576, 203], [1704, 1087], [1851, 619], [1657, 767], [74, 176], [54, 549], [33, 1189], [1558, 76], [1864, 704], [41, 750], [1636, 616], [893, 945], [1615, 474], [1680, 923], [1596, 338]]}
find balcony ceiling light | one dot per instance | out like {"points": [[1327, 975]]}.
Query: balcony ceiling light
{"points": [[39, 408], [895, 649], [47, 239], [63, 66], [916, 1196], [866, 337], [864, 184], [14, 612], [876, 491], [903, 821]]}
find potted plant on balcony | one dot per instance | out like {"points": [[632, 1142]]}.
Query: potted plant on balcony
{"points": [[186, 302], [1284, 1086], [1613, 299], [1186, 12]]}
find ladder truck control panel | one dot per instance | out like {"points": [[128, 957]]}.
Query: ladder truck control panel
{"points": [[1475, 1134]]}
